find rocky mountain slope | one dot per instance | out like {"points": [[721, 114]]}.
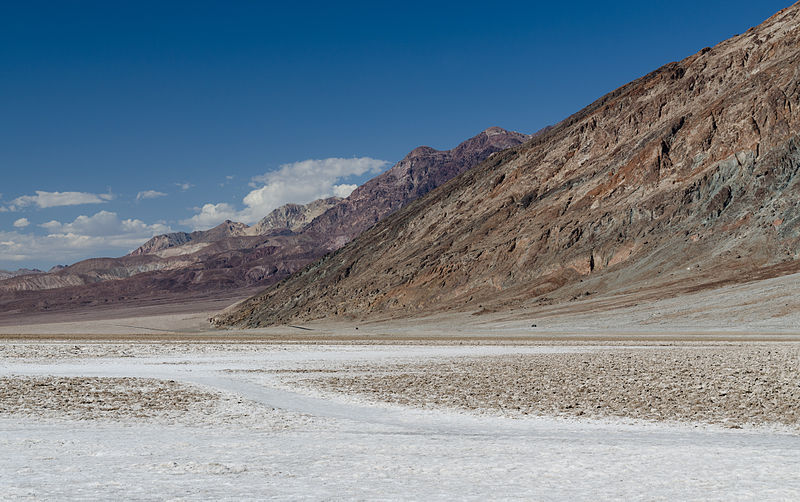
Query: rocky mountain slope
{"points": [[232, 255], [287, 217], [418, 173], [8, 274], [162, 242], [294, 216], [684, 179]]}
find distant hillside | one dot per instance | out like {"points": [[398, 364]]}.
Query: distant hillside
{"points": [[158, 243], [294, 216], [234, 256], [287, 217], [7, 274]]}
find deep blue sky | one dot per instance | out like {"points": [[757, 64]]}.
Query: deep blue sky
{"points": [[124, 97]]}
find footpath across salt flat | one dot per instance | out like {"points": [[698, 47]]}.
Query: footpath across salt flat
{"points": [[259, 435]]}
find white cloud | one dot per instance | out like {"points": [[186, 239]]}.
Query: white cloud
{"points": [[184, 186], [106, 225], [227, 181], [84, 237], [150, 194], [56, 248], [44, 199], [211, 215], [302, 182], [102, 223], [298, 182], [21, 223], [343, 190]]}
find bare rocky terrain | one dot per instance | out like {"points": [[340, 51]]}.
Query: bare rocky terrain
{"points": [[8, 274], [731, 385], [234, 258], [294, 217], [685, 179]]}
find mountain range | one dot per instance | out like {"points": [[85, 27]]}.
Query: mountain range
{"points": [[236, 257], [682, 180]]}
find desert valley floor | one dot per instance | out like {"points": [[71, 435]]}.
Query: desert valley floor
{"points": [[249, 417]]}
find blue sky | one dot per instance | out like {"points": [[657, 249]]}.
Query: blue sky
{"points": [[124, 119]]}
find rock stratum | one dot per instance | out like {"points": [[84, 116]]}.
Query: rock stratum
{"points": [[684, 179], [234, 256]]}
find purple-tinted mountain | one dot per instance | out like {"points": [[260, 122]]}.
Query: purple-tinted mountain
{"points": [[233, 256]]}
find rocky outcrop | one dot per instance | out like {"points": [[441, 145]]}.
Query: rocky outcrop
{"points": [[162, 242], [8, 274], [88, 272], [418, 173], [686, 178], [294, 216]]}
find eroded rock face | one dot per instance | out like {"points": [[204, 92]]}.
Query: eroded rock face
{"points": [[225, 229], [233, 256], [294, 216], [418, 173], [685, 178], [8, 274]]}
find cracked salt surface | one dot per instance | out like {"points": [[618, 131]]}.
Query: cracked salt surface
{"points": [[340, 448]]}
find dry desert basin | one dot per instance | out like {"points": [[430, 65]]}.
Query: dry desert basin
{"points": [[656, 401]]}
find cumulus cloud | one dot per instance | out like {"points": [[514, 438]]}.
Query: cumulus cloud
{"points": [[18, 247], [85, 236], [343, 190], [211, 215], [150, 194], [44, 199], [302, 182], [298, 182], [107, 225], [184, 186], [21, 223]]}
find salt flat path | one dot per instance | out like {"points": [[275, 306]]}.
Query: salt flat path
{"points": [[343, 448]]}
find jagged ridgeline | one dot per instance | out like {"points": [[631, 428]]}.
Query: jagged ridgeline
{"points": [[233, 257], [683, 179]]}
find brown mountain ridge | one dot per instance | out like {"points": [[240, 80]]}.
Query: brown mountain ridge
{"points": [[686, 178]]}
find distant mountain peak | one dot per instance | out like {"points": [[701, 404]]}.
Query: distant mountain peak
{"points": [[495, 130], [421, 151], [294, 217], [162, 242], [232, 256]]}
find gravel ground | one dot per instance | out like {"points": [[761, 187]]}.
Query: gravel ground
{"points": [[728, 385], [133, 400]]}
